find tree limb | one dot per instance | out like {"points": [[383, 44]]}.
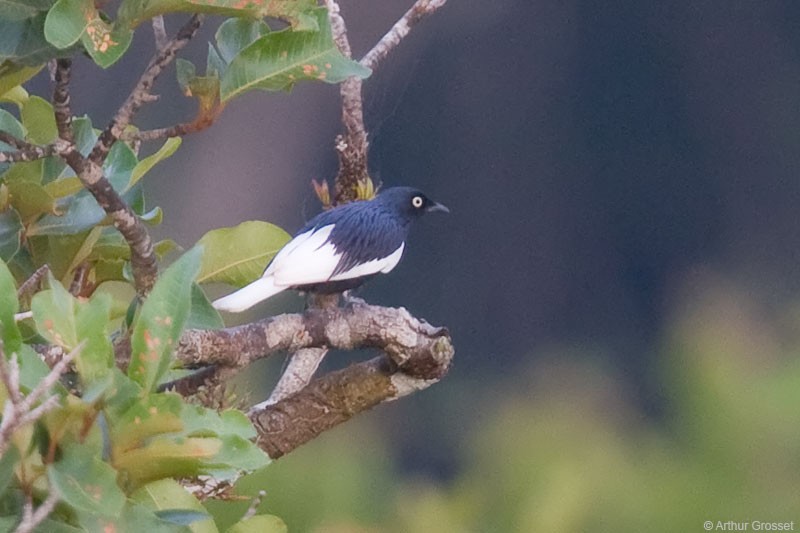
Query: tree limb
{"points": [[352, 145], [90, 171], [338, 396], [25, 151], [20, 410], [398, 32], [32, 518], [392, 330], [141, 92]]}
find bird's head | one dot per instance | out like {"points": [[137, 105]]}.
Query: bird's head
{"points": [[409, 202]]}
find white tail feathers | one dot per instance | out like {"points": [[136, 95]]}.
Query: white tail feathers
{"points": [[248, 296]]}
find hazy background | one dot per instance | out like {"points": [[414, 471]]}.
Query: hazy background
{"points": [[618, 271]]}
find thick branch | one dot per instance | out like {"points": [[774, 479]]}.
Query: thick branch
{"points": [[303, 363], [392, 330], [338, 396]]}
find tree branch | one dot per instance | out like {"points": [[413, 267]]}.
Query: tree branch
{"points": [[352, 145], [303, 363], [25, 151], [338, 396], [20, 410], [398, 32], [90, 171], [32, 518], [141, 93], [392, 330], [178, 130]]}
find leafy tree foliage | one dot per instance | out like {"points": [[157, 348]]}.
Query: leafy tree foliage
{"points": [[110, 450]]}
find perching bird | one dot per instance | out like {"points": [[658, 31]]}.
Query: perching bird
{"points": [[339, 249]]}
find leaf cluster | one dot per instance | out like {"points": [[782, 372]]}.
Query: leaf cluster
{"points": [[117, 450], [114, 448]]}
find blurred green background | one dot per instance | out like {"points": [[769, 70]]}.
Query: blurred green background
{"points": [[619, 270]]}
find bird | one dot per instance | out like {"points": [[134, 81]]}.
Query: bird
{"points": [[339, 249]]}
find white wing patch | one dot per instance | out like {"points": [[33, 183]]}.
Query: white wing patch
{"points": [[383, 265], [309, 259]]}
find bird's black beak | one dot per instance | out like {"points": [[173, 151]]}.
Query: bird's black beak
{"points": [[436, 206]]}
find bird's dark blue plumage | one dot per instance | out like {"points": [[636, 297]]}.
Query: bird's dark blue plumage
{"points": [[339, 249]]}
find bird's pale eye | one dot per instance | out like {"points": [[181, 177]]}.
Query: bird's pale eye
{"points": [[417, 201]]}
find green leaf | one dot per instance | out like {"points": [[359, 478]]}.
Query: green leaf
{"points": [[238, 452], [161, 321], [164, 457], [149, 416], [170, 501], [201, 422], [54, 315], [30, 199], [145, 165], [66, 21], [11, 125], [134, 518], [83, 213], [238, 255], [66, 322], [97, 356], [8, 461], [38, 118], [235, 34], [24, 43], [86, 483], [278, 60], [63, 253], [134, 12], [202, 314], [22, 9], [105, 43], [186, 72], [85, 138], [10, 234], [32, 369], [9, 332], [11, 77], [260, 523]]}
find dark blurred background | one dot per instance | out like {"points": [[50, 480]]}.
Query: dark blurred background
{"points": [[618, 271]]}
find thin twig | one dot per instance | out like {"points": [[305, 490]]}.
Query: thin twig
{"points": [[141, 93], [159, 32], [31, 518], [19, 410], [33, 283], [398, 32], [178, 130], [351, 145]]}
